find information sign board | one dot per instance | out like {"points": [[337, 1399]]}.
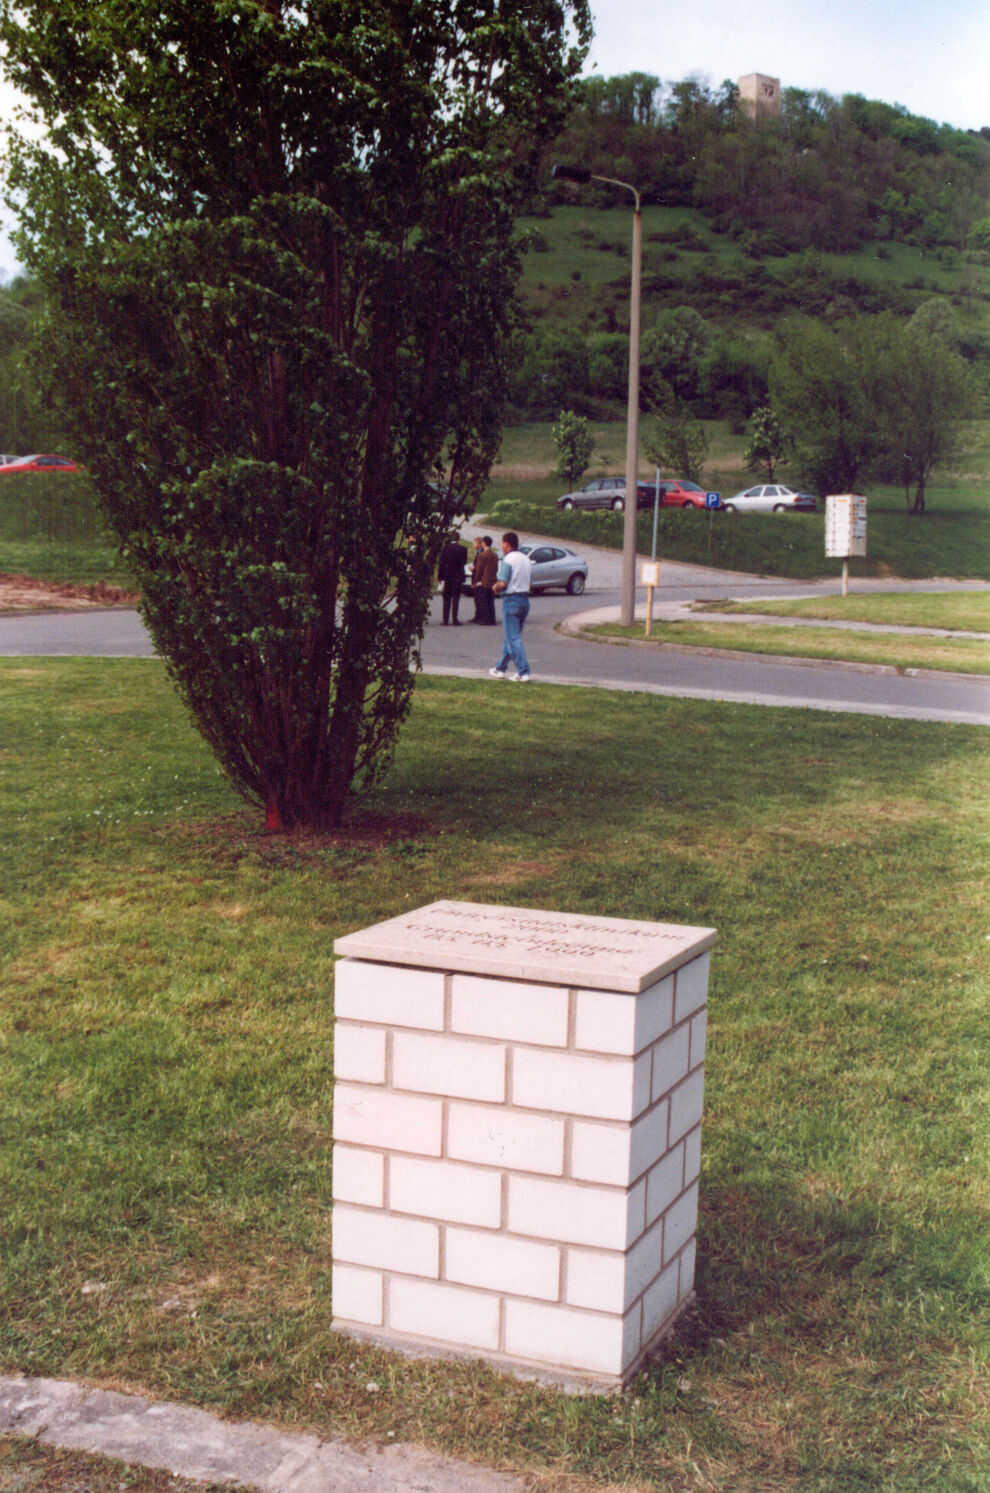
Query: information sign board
{"points": [[845, 525], [713, 500]]}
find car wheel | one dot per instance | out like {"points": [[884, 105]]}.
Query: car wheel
{"points": [[575, 585], [617, 505], [728, 507], [567, 507], [688, 504], [780, 507]]}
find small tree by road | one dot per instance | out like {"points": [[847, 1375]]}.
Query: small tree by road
{"points": [[766, 444], [575, 447]]}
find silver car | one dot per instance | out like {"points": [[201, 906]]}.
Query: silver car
{"points": [[770, 497], [555, 565]]}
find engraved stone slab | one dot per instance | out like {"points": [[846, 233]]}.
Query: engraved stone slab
{"points": [[525, 943]]}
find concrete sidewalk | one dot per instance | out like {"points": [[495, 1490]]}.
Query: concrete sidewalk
{"points": [[194, 1444]]}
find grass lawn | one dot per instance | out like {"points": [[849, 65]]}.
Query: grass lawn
{"points": [[964, 611], [962, 655], [165, 1041]]}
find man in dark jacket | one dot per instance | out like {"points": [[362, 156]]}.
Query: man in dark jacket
{"points": [[483, 575], [453, 559]]}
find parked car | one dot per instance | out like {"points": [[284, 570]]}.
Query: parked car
{"points": [[553, 565], [38, 464], [679, 492], [770, 498], [606, 492]]}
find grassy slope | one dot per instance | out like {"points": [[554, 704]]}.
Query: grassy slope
{"points": [[586, 268], [166, 1046]]}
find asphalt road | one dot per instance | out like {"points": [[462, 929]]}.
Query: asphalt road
{"points": [[556, 657]]}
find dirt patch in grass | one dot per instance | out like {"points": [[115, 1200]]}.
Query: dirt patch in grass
{"points": [[237, 835], [22, 593], [511, 874]]}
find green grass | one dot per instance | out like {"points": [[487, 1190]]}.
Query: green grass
{"points": [[582, 277], [966, 611], [165, 1042], [50, 528], [962, 655]]}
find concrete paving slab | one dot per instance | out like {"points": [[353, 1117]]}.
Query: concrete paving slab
{"points": [[195, 1444]]}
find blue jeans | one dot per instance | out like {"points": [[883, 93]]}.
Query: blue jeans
{"points": [[515, 610]]}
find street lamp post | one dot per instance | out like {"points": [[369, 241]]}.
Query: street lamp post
{"points": [[631, 507]]}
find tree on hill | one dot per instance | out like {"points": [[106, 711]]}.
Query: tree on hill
{"points": [[276, 238]]}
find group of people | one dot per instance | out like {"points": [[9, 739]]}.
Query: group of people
{"points": [[490, 577]]}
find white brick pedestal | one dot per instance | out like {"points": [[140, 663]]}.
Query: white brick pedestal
{"points": [[517, 1126]]}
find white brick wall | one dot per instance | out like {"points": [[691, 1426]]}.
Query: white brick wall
{"points": [[358, 1176], [609, 1088], [364, 1237], [401, 1122], [388, 993], [501, 1137], [358, 1295], [448, 1065], [509, 1009], [501, 1263], [445, 1190], [594, 1342], [691, 987], [447, 1314], [359, 1053], [516, 1165], [611, 1022]]}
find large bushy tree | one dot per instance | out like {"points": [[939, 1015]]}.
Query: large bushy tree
{"points": [[277, 239], [868, 397]]}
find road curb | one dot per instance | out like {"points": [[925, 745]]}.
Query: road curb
{"points": [[194, 1444], [786, 659]]}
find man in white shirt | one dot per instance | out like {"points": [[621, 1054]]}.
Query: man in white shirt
{"points": [[513, 580]]}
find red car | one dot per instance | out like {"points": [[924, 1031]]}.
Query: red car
{"points": [[39, 464], [678, 493]]}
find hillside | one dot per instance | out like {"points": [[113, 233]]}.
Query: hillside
{"points": [[840, 208]]}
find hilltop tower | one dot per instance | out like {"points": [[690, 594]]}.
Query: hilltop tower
{"points": [[760, 96]]}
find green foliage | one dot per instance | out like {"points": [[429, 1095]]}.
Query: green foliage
{"points": [[677, 442], [673, 347], [575, 445], [766, 443], [868, 397], [829, 174], [277, 246]]}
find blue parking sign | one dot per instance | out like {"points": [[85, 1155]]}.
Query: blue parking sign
{"points": [[713, 500]]}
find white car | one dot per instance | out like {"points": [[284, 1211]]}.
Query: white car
{"points": [[769, 498]]}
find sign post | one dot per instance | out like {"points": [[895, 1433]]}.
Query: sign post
{"points": [[649, 576], [713, 500], [845, 530]]}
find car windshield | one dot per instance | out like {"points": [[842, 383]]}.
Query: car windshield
{"points": [[690, 487]]}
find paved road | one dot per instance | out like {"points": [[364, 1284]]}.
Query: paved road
{"points": [[559, 658]]}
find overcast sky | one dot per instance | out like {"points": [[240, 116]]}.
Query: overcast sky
{"points": [[934, 59]]}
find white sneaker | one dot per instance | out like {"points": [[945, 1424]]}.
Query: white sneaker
{"points": [[520, 678], [497, 673]]}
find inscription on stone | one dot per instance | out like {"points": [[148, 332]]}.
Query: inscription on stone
{"points": [[530, 944]]}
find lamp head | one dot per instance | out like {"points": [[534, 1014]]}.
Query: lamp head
{"points": [[580, 174]]}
